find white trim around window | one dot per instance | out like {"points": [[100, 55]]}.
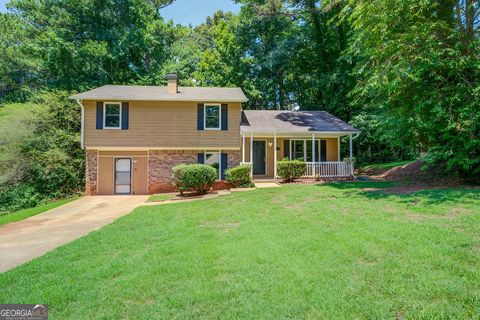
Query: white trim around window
{"points": [[119, 113], [219, 106]]}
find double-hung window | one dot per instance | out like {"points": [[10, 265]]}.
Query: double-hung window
{"points": [[112, 115], [302, 150], [212, 159], [298, 150], [212, 116]]}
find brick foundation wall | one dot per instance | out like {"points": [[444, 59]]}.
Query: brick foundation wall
{"points": [[161, 162], [91, 167]]}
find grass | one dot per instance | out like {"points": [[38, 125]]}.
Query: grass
{"points": [[336, 251], [26, 213], [160, 197], [384, 166]]}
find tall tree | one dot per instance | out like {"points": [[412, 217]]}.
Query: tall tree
{"points": [[419, 70], [90, 43]]}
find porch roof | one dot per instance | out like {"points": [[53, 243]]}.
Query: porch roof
{"points": [[267, 121]]}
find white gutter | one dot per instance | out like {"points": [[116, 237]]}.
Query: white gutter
{"points": [[82, 123]]}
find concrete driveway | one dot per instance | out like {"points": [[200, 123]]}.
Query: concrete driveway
{"points": [[25, 240]]}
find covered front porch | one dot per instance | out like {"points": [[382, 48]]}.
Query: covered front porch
{"points": [[320, 151], [310, 136]]}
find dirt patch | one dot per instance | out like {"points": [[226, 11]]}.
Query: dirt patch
{"points": [[366, 262], [219, 225], [231, 226], [414, 171], [413, 177]]}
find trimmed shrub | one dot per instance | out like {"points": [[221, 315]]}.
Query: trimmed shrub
{"points": [[290, 170], [239, 175], [198, 178]]}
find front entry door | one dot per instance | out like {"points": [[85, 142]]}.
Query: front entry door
{"points": [[123, 176], [259, 157]]}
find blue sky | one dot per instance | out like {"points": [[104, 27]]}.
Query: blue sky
{"points": [[186, 11]]}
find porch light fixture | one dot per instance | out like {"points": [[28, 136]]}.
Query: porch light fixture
{"points": [[270, 144]]}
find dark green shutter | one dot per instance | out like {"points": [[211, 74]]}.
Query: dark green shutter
{"points": [[99, 115], [201, 158], [286, 148], [124, 115], [224, 124], [200, 116], [224, 164]]}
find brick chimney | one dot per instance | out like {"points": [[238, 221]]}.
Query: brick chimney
{"points": [[172, 83]]}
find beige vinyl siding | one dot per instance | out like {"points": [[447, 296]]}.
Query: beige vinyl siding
{"points": [[332, 149], [162, 125]]}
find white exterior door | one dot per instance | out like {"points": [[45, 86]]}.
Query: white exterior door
{"points": [[123, 176]]}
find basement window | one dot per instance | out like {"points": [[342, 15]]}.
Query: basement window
{"points": [[212, 159]]}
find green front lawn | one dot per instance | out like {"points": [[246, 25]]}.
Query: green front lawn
{"points": [[160, 197], [339, 251], [26, 213]]}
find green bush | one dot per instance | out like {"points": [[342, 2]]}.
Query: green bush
{"points": [[290, 170], [239, 175], [17, 197], [194, 177]]}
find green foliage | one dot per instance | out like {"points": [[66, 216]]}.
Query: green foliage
{"points": [[194, 177], [420, 74], [46, 160], [291, 170], [239, 175], [19, 196]]}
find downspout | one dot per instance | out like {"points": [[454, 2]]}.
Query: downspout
{"points": [[82, 123]]}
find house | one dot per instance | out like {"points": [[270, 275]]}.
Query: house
{"points": [[134, 135]]}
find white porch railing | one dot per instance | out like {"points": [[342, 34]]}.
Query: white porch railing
{"points": [[328, 169], [337, 169]]}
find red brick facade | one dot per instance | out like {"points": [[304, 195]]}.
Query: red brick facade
{"points": [[91, 164], [159, 168]]}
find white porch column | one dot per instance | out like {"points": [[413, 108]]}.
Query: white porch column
{"points": [[313, 155], [243, 147], [339, 158], [351, 155], [251, 154], [274, 155]]}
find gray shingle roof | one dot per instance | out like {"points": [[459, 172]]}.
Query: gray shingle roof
{"points": [[156, 93], [293, 121]]}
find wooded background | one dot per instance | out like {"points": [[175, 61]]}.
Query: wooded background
{"points": [[405, 72]]}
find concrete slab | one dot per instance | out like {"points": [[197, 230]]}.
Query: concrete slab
{"points": [[25, 240], [262, 184]]}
